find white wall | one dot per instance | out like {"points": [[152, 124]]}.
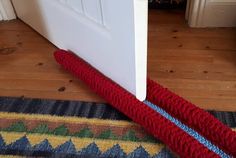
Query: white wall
{"points": [[6, 10], [211, 13], [220, 13]]}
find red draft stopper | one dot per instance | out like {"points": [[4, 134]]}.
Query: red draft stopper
{"points": [[194, 117], [177, 140]]}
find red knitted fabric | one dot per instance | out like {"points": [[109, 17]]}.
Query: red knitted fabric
{"points": [[179, 141], [194, 117]]}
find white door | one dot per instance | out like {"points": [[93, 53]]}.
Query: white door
{"points": [[109, 34]]}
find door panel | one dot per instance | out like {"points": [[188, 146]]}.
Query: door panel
{"points": [[109, 34], [76, 5], [93, 10]]}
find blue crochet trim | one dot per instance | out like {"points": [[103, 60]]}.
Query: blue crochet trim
{"points": [[188, 130]]}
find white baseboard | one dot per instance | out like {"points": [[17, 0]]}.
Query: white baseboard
{"points": [[6, 10], [211, 13]]}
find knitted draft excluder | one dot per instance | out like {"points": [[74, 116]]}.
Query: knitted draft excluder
{"points": [[188, 130], [193, 116], [153, 122]]}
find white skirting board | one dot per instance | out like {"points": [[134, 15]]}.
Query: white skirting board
{"points": [[211, 13], [6, 10]]}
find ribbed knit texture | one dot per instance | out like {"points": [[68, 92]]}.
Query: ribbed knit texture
{"points": [[178, 140], [188, 130], [194, 117]]}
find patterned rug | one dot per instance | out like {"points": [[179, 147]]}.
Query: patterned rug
{"points": [[53, 128]]}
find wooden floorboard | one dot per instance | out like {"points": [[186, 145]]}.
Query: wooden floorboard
{"points": [[198, 64]]}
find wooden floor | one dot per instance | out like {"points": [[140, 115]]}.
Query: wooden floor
{"points": [[198, 64]]}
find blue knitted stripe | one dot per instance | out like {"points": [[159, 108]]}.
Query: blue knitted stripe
{"points": [[188, 130]]}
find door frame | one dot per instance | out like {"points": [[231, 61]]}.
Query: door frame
{"points": [[6, 10], [195, 12]]}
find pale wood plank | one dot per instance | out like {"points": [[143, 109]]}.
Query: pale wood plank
{"points": [[198, 64]]}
